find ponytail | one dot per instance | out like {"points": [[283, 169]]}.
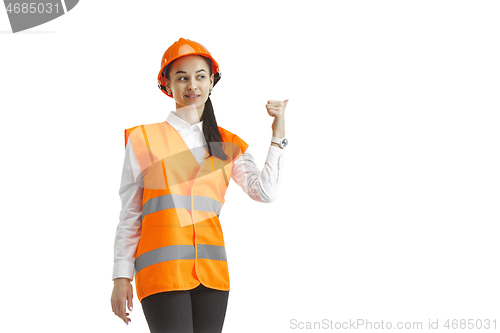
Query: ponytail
{"points": [[211, 132]]}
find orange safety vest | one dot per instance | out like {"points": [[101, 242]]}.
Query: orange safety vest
{"points": [[181, 243]]}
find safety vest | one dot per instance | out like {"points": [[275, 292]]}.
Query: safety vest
{"points": [[181, 243]]}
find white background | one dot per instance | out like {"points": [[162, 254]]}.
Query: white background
{"points": [[388, 207]]}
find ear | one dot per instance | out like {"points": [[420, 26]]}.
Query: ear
{"points": [[212, 80]]}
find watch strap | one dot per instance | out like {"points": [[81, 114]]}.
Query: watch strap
{"points": [[276, 140]]}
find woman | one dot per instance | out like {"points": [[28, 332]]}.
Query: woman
{"points": [[174, 180]]}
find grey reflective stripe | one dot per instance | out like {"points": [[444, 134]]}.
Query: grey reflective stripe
{"points": [[172, 252], [214, 252], [165, 202], [206, 204], [169, 201], [177, 252]]}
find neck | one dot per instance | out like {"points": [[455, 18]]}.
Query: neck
{"points": [[190, 113]]}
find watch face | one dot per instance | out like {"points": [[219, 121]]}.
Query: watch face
{"points": [[284, 143]]}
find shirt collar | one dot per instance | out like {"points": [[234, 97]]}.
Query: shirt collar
{"points": [[181, 125]]}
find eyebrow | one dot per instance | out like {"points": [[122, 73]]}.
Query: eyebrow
{"points": [[185, 72]]}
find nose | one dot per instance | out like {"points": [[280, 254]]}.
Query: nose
{"points": [[192, 86]]}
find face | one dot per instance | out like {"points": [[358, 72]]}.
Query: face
{"points": [[190, 82]]}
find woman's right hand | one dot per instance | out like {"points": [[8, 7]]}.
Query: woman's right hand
{"points": [[121, 298]]}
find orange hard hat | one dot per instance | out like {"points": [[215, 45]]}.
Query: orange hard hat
{"points": [[184, 47]]}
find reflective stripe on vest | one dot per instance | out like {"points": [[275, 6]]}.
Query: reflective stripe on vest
{"points": [[168, 201], [180, 252]]}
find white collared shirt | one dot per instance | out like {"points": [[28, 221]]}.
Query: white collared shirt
{"points": [[260, 185]]}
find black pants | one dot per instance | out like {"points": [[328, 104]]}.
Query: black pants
{"points": [[199, 310]]}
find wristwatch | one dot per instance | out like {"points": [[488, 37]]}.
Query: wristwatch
{"points": [[283, 142]]}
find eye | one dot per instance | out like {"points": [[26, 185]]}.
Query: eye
{"points": [[183, 77]]}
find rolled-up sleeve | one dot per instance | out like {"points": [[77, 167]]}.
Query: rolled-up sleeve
{"points": [[260, 185], [128, 231]]}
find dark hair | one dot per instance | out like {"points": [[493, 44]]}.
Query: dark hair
{"points": [[210, 128]]}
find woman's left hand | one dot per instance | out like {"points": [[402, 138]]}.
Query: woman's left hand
{"points": [[276, 108]]}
